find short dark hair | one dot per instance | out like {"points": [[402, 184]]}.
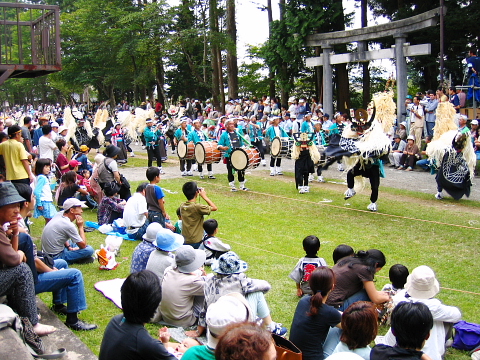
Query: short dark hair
{"points": [[61, 143], [430, 92], [342, 251], [311, 245], [3, 136], [40, 164], [189, 189], [359, 324], [27, 120], [411, 324], [46, 129], [453, 88], [152, 172], [398, 275], [140, 293], [210, 225], [142, 187], [440, 88], [24, 191], [12, 130]]}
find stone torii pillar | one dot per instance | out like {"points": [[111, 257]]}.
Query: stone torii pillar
{"points": [[401, 67], [327, 85]]}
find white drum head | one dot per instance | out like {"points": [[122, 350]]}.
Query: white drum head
{"points": [[182, 149], [276, 146], [239, 159], [200, 153]]}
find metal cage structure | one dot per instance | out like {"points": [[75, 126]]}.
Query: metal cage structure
{"points": [[29, 40]]}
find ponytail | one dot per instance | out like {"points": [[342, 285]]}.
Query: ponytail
{"points": [[321, 281]]}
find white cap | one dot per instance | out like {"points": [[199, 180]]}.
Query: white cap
{"points": [[73, 202]]}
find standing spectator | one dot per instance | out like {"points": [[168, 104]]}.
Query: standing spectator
{"points": [[462, 97], [16, 157], [417, 120], [43, 192], [27, 138], [46, 146], [453, 98], [430, 112], [38, 133], [155, 199]]}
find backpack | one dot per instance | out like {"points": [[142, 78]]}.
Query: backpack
{"points": [[467, 335]]}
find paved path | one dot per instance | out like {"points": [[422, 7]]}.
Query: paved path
{"points": [[417, 180]]}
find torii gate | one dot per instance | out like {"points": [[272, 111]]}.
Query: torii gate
{"points": [[398, 29]]}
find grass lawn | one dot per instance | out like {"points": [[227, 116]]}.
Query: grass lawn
{"points": [[266, 228]]}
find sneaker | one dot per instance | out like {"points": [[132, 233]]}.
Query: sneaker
{"points": [[320, 179], [194, 167], [189, 173], [310, 178], [243, 187], [81, 326], [349, 193], [372, 207], [234, 189], [161, 171], [211, 176], [132, 154], [277, 329], [184, 173], [264, 163], [201, 176], [306, 189], [340, 167], [438, 196], [301, 190], [173, 152], [272, 171], [232, 186], [279, 171]]}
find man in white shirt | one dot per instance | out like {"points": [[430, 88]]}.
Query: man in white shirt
{"points": [[417, 121], [135, 213], [46, 146]]}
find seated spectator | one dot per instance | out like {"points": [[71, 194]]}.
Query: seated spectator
{"points": [[175, 348], [313, 317], [111, 207], [359, 329], [61, 239], [135, 214], [183, 288], [396, 151], [178, 224], [68, 187], [142, 251], [213, 246], [162, 257], [245, 341], [229, 277], [397, 274], [411, 324], [421, 287], [82, 158], [66, 286], [425, 162], [410, 155], [125, 336], [305, 266], [402, 131], [87, 185], [227, 310], [16, 280], [94, 178], [62, 161], [342, 251]]}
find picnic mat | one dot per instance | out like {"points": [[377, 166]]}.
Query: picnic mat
{"points": [[111, 290]]}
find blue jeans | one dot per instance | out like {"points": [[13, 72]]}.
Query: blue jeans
{"points": [[430, 126], [333, 337], [424, 164], [72, 256], [65, 284], [155, 216], [140, 232]]}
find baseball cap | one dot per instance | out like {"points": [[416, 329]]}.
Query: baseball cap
{"points": [[73, 202]]}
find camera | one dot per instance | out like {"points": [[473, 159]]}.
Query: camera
{"points": [[199, 189]]}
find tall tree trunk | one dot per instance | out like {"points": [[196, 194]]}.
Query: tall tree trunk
{"points": [[283, 92], [220, 80], [366, 72], [160, 78], [214, 50], [341, 71], [271, 74], [232, 67]]}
